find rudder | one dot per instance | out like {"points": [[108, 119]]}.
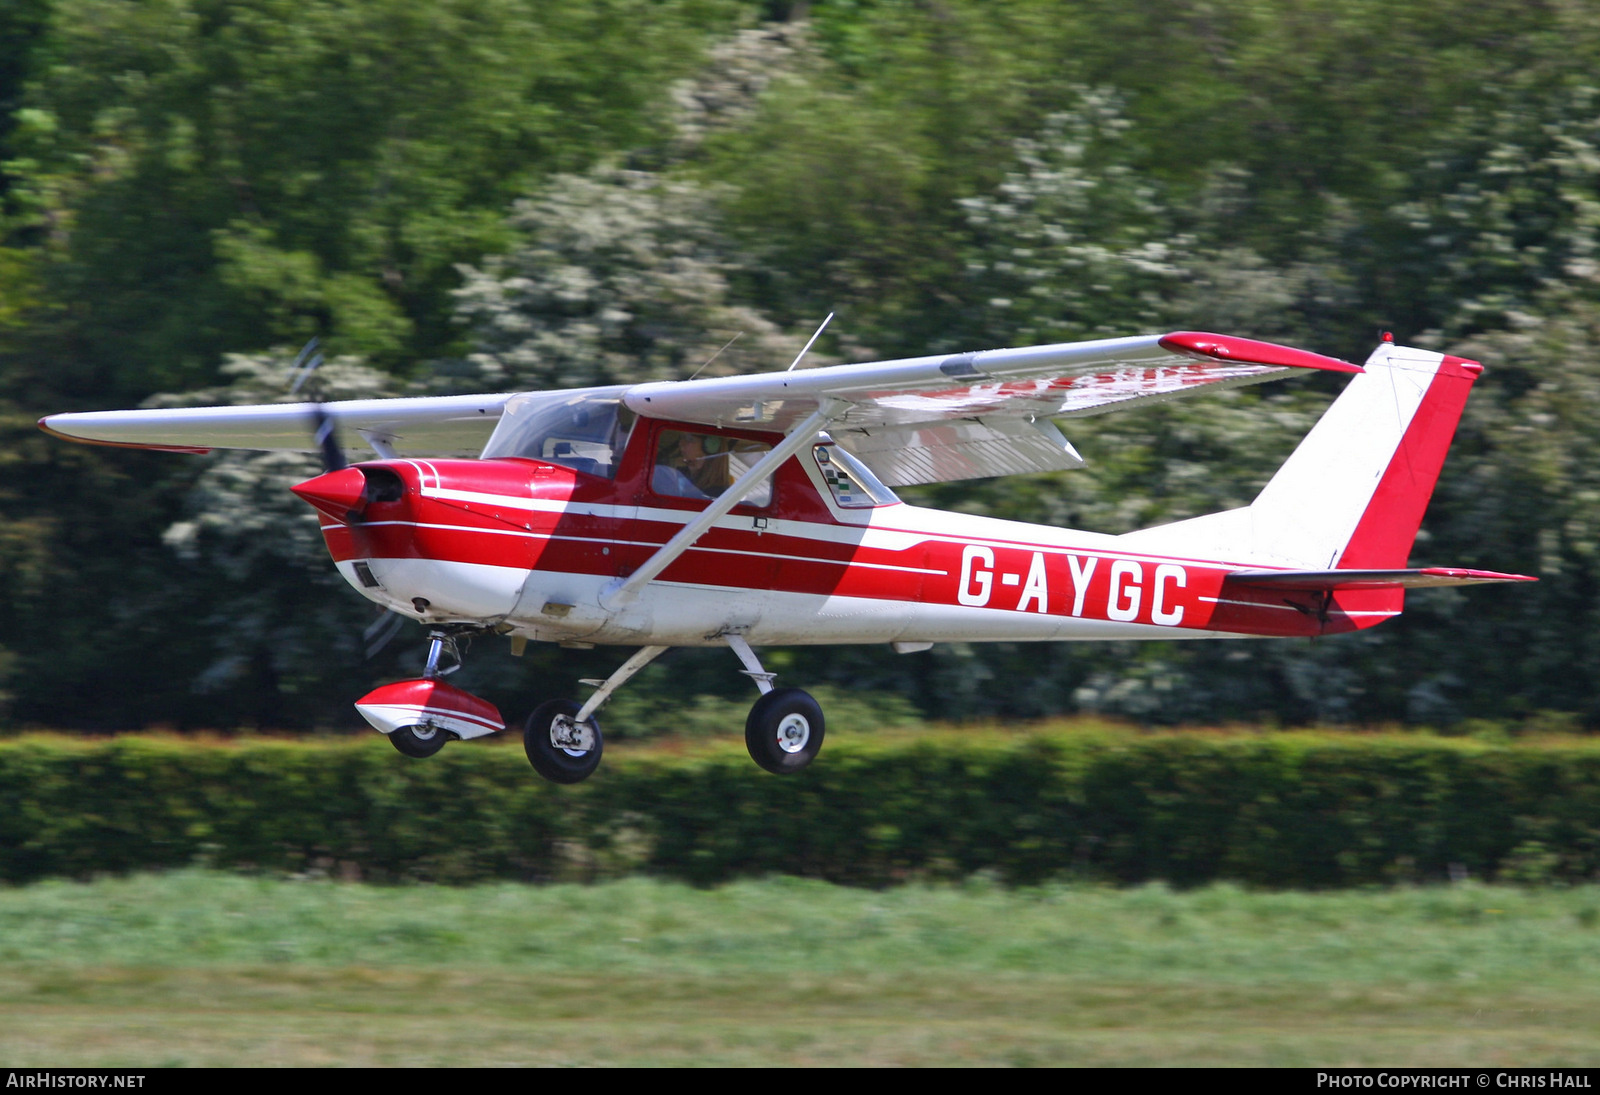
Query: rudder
{"points": [[1352, 494]]}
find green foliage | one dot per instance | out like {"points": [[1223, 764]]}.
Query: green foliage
{"points": [[220, 176], [496, 193], [618, 276], [1072, 244], [656, 709], [1302, 810]]}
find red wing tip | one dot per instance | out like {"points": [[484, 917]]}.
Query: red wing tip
{"points": [[1248, 351], [191, 450], [1477, 575]]}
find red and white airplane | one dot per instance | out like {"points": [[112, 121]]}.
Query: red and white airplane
{"points": [[757, 510]]}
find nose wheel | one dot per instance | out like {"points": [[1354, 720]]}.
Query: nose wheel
{"points": [[420, 741]]}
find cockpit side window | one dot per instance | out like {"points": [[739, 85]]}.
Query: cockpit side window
{"points": [[703, 465], [586, 432], [849, 480]]}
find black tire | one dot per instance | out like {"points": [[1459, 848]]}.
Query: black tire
{"points": [[550, 760], [418, 741], [784, 731]]}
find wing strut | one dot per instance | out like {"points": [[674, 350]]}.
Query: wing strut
{"points": [[620, 591]]}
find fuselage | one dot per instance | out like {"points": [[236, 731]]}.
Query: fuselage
{"points": [[530, 546]]}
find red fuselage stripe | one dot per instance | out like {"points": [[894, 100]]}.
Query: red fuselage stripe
{"points": [[941, 569]]}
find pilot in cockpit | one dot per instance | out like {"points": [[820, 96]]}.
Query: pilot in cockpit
{"points": [[685, 469]]}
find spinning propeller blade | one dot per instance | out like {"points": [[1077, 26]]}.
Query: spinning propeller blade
{"points": [[326, 435], [379, 633], [323, 430]]}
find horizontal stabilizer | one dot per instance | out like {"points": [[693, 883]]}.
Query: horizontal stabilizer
{"points": [[1328, 580]]}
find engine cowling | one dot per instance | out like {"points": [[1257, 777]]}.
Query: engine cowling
{"points": [[437, 540]]}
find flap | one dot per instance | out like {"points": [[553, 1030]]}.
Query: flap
{"points": [[967, 448]]}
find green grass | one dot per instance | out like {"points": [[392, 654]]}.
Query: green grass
{"points": [[205, 969]]}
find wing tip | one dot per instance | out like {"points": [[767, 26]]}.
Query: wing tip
{"points": [[44, 424], [1465, 575], [1248, 351]]}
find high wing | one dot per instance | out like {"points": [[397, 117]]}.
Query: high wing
{"points": [[454, 425], [961, 416], [915, 420]]}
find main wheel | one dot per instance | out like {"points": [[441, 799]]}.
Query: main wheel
{"points": [[418, 741], [784, 730], [559, 749]]}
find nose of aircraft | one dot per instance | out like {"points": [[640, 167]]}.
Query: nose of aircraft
{"points": [[340, 494]]}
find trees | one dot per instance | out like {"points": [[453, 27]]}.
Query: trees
{"points": [[220, 177], [494, 193]]}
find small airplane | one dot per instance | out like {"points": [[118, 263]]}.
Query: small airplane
{"points": [[758, 510]]}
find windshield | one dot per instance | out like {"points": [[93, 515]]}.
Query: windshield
{"points": [[582, 431]]}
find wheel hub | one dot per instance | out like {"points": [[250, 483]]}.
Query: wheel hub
{"points": [[425, 731], [793, 733], [571, 736]]}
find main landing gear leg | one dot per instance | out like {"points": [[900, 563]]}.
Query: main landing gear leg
{"points": [[785, 727], [562, 738]]}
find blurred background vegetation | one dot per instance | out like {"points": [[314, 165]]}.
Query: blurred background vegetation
{"points": [[493, 194]]}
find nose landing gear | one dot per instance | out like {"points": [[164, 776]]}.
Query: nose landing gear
{"points": [[420, 716]]}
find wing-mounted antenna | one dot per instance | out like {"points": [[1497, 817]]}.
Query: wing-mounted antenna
{"points": [[806, 349], [716, 355]]}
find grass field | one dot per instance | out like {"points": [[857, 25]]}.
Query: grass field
{"points": [[209, 969]]}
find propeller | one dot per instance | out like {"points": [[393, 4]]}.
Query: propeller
{"points": [[325, 433], [381, 630], [323, 430]]}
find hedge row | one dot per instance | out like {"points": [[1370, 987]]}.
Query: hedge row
{"points": [[1285, 810]]}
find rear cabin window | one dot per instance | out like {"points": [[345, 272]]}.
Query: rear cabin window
{"points": [[851, 482], [703, 465]]}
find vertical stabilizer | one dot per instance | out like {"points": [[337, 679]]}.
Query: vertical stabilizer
{"points": [[1353, 493]]}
